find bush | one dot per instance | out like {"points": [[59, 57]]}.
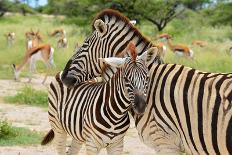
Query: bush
{"points": [[6, 130], [10, 135]]}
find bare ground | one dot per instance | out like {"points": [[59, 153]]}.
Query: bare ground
{"points": [[36, 119]]}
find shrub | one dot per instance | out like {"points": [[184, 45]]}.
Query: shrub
{"points": [[6, 130]]}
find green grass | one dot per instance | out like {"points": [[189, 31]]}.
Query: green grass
{"points": [[211, 58], [10, 135], [14, 54], [29, 96]]}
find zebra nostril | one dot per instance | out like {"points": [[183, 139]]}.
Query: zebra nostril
{"points": [[69, 81]]}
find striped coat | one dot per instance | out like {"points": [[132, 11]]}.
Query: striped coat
{"points": [[188, 110], [97, 113]]}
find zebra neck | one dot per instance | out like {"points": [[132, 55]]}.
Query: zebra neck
{"points": [[119, 99]]}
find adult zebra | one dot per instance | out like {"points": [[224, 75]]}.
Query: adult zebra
{"points": [[188, 110], [97, 113], [179, 115], [111, 34]]}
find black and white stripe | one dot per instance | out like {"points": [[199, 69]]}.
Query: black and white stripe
{"points": [[97, 113], [111, 34], [188, 110]]}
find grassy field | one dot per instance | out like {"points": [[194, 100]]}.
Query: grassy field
{"points": [[20, 25], [29, 96], [212, 58], [10, 135]]}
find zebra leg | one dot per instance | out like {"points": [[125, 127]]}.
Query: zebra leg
{"points": [[60, 142], [75, 147], [91, 148], [115, 148], [168, 152]]}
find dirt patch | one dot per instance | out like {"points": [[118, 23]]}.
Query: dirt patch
{"points": [[10, 87], [36, 119]]}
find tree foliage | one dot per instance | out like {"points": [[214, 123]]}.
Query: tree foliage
{"points": [[220, 15], [158, 12], [14, 6]]}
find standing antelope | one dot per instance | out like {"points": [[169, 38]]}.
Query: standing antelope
{"points": [[58, 33], [199, 43], [10, 37], [62, 42], [33, 39], [179, 49], [162, 49], [42, 52]]}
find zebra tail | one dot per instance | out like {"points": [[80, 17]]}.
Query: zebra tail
{"points": [[48, 138]]}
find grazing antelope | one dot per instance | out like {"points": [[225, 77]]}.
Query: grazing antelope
{"points": [[33, 39], [42, 52], [62, 42], [179, 49], [10, 37], [163, 37], [58, 33], [199, 43]]}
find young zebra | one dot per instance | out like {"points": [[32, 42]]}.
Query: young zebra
{"points": [[178, 116], [97, 113]]}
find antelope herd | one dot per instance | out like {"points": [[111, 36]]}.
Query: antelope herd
{"points": [[44, 52]]}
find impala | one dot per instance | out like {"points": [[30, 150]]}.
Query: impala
{"points": [[43, 53]]}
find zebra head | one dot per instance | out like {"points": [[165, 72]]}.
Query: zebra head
{"points": [[111, 34], [134, 74]]}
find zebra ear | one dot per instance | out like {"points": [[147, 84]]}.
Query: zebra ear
{"points": [[100, 26], [149, 55], [114, 61]]}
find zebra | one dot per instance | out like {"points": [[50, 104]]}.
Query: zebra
{"points": [[112, 32], [97, 113], [180, 120], [188, 110]]}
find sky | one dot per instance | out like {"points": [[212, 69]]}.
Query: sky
{"points": [[32, 3]]}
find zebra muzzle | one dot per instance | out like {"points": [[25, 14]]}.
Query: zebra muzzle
{"points": [[139, 103], [69, 81]]}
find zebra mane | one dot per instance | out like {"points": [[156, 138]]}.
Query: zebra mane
{"points": [[120, 17]]}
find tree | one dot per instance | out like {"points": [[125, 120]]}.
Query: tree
{"points": [[220, 15], [158, 12], [196, 4], [4, 6]]}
